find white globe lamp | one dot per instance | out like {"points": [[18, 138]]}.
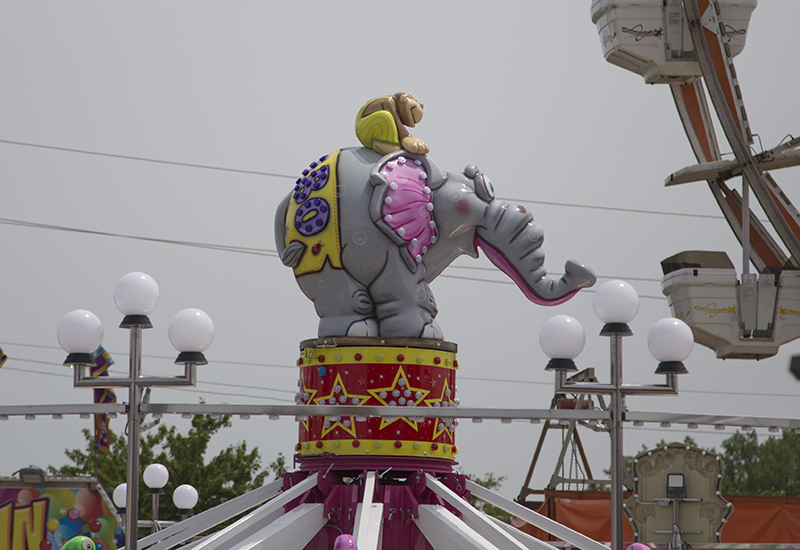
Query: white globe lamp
{"points": [[562, 339], [191, 332], [136, 296], [156, 477], [616, 303], [79, 333], [670, 341], [185, 498], [120, 497]]}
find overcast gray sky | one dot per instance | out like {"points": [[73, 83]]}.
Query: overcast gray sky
{"points": [[519, 88]]}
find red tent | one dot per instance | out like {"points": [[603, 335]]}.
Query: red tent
{"points": [[755, 519]]}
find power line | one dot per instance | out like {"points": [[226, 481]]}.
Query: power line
{"points": [[463, 378], [142, 159], [617, 209], [223, 247], [222, 384], [287, 176], [586, 290], [192, 390], [247, 250], [494, 270], [125, 354]]}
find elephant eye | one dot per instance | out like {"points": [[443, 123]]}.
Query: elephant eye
{"points": [[483, 187], [87, 544]]}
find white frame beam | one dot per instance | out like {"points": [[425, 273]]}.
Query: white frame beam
{"points": [[368, 528], [444, 531], [534, 518]]}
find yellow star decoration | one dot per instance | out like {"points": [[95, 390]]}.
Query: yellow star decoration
{"points": [[376, 393], [438, 421], [311, 393], [324, 401]]}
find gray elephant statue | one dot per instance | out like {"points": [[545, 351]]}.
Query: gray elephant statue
{"points": [[365, 234]]}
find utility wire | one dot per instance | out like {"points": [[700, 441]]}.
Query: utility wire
{"points": [[494, 270], [500, 282], [142, 159], [465, 378], [617, 209], [287, 176], [125, 354], [192, 390], [254, 251], [223, 247]]}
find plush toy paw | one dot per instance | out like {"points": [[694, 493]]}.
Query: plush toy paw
{"points": [[415, 145]]}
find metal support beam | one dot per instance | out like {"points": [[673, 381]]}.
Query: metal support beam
{"points": [[529, 542], [445, 531], [716, 65], [291, 531], [369, 518], [534, 518], [473, 518], [197, 524], [185, 530], [134, 429], [222, 540], [727, 169], [82, 380], [7, 411]]}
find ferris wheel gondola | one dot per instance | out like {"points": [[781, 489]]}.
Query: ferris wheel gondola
{"points": [[685, 44]]}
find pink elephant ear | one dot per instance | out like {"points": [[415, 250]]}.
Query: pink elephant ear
{"points": [[408, 208], [638, 546], [345, 542]]}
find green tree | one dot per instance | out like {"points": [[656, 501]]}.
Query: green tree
{"points": [[232, 472], [278, 466], [492, 482], [771, 467]]}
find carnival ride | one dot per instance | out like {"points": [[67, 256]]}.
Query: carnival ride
{"points": [[376, 412], [685, 44]]}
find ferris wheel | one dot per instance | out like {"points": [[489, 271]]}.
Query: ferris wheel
{"points": [[690, 45]]}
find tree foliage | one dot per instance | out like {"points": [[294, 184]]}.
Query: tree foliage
{"points": [[771, 467], [232, 472]]}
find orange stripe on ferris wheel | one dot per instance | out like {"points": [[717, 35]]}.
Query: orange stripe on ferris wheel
{"points": [[689, 93], [720, 68]]}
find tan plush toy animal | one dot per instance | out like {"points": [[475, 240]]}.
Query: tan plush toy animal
{"points": [[381, 124]]}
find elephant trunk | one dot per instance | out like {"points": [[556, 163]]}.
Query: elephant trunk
{"points": [[512, 241]]}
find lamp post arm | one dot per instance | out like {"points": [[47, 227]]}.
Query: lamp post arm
{"points": [[564, 387], [81, 380], [189, 378]]}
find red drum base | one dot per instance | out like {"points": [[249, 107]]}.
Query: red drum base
{"points": [[377, 372]]}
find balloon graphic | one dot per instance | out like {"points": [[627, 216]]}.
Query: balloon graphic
{"points": [[88, 504], [53, 524], [106, 531], [73, 514], [25, 496]]}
